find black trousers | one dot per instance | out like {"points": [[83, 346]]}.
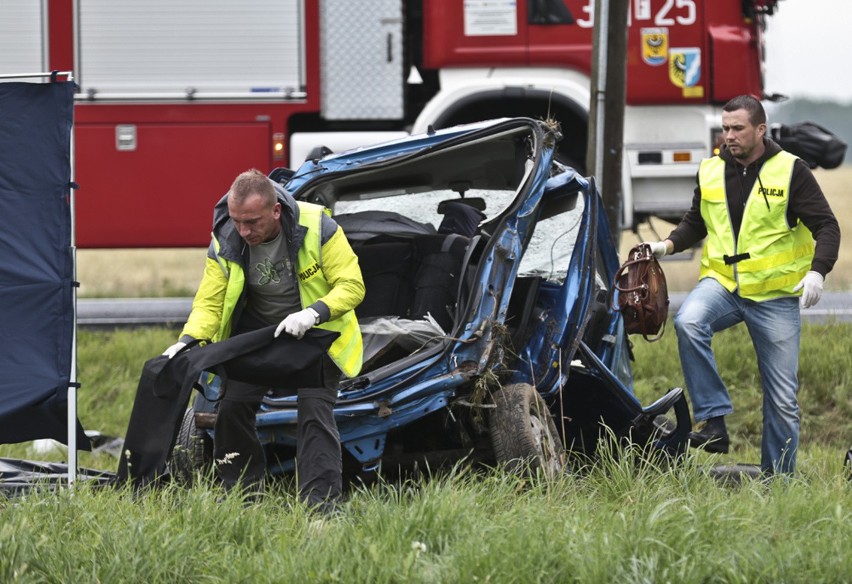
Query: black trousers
{"points": [[253, 356], [239, 455]]}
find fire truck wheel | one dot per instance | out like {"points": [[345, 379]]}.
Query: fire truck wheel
{"points": [[193, 451], [523, 433]]}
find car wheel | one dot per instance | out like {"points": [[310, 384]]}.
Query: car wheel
{"points": [[523, 433], [193, 450]]}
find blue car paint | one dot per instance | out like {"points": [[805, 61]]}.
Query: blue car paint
{"points": [[369, 410]]}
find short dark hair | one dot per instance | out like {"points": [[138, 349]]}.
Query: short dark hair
{"points": [[756, 113], [252, 182]]}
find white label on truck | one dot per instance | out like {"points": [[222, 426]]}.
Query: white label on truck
{"points": [[490, 17]]}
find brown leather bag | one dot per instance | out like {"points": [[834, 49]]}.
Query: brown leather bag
{"points": [[643, 297]]}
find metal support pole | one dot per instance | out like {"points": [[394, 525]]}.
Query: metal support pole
{"points": [[606, 134], [601, 34], [72, 385]]}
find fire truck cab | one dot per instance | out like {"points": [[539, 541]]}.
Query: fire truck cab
{"points": [[176, 97]]}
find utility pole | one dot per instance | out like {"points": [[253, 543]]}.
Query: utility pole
{"points": [[604, 154]]}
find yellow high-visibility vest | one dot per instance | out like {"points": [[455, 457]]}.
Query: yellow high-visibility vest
{"points": [[226, 287], [770, 257], [347, 350]]}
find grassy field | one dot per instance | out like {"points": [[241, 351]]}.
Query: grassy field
{"points": [[176, 272], [109, 364], [623, 520]]}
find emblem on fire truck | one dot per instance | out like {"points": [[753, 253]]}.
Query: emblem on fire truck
{"points": [[655, 45], [685, 66]]}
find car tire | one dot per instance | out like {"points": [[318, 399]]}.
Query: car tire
{"points": [[193, 451], [523, 433]]}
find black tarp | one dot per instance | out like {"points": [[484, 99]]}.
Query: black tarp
{"points": [[36, 263], [18, 477]]}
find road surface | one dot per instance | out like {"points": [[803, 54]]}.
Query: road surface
{"points": [[116, 312]]}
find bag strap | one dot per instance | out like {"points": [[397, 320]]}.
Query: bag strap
{"points": [[637, 255], [659, 335]]}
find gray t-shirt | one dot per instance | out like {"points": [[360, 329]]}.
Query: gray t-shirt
{"points": [[272, 293]]}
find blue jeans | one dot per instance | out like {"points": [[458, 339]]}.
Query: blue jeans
{"points": [[774, 327]]}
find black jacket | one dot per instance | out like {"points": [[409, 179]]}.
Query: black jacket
{"points": [[807, 204]]}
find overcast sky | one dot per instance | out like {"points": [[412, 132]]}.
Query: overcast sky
{"points": [[808, 49]]}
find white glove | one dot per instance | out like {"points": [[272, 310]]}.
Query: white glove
{"points": [[173, 350], [658, 248], [812, 284], [298, 323]]}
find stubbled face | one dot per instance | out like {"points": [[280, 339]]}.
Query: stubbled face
{"points": [[256, 221], [744, 140]]}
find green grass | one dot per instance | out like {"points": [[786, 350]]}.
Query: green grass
{"points": [[825, 376], [621, 522], [624, 520]]}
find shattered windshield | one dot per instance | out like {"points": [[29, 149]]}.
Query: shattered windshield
{"points": [[549, 251], [423, 207]]}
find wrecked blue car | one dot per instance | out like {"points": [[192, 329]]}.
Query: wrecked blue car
{"points": [[488, 328]]}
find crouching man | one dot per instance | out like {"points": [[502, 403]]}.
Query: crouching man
{"points": [[275, 260]]}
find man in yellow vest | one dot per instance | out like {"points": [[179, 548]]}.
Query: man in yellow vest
{"points": [[273, 260], [771, 238]]}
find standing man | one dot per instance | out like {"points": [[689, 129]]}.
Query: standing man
{"points": [[273, 260], [761, 210]]}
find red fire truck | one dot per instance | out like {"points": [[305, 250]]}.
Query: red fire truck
{"points": [[176, 97]]}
